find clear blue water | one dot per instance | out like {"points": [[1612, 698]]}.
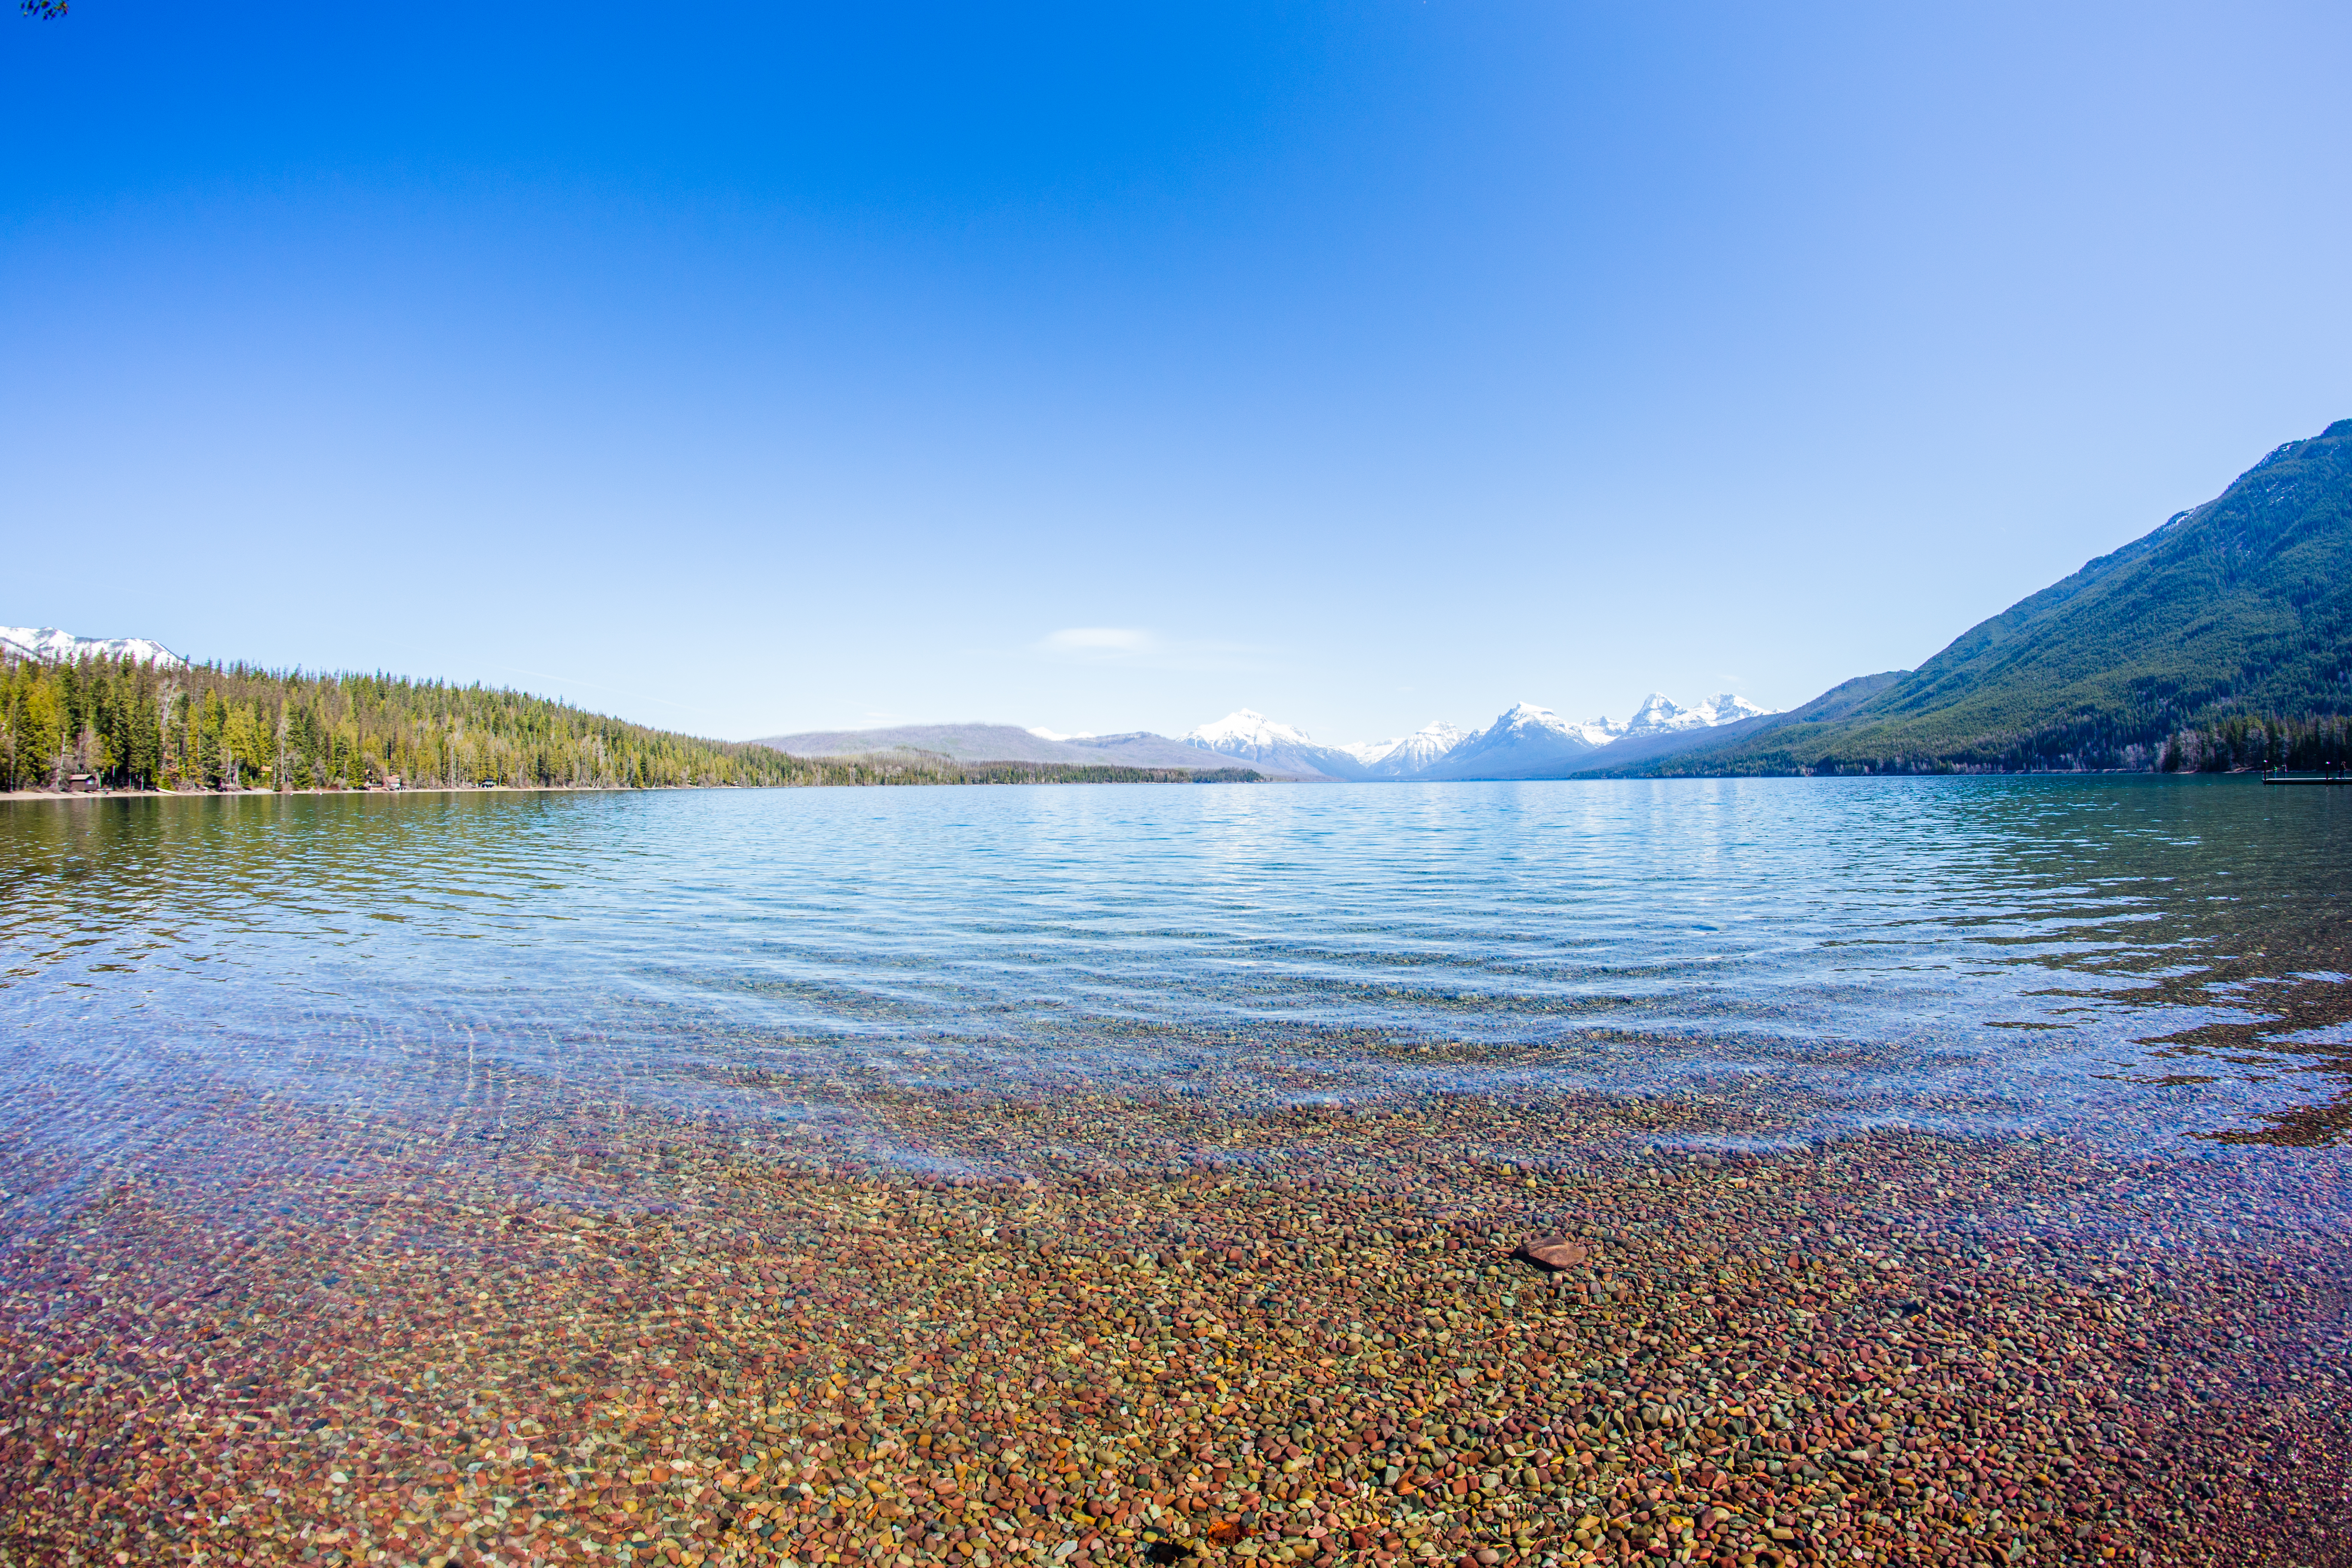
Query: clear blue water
{"points": [[2146, 959]]}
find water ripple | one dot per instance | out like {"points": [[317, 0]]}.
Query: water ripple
{"points": [[2159, 958]]}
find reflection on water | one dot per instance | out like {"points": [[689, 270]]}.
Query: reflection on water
{"points": [[2145, 960]]}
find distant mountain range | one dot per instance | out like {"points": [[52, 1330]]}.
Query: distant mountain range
{"points": [[1527, 742], [980, 743], [1531, 743]]}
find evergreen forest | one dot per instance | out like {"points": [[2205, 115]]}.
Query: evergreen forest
{"points": [[125, 724]]}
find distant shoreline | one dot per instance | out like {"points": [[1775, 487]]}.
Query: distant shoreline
{"points": [[591, 789], [27, 794], [421, 789]]}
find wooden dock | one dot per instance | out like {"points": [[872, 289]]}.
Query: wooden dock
{"points": [[2307, 779]]}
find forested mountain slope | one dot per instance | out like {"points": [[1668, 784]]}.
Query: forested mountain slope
{"points": [[2224, 639]]}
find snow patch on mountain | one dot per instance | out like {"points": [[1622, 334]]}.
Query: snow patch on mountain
{"points": [[1043, 733], [51, 646]]}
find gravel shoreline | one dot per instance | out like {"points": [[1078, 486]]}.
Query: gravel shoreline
{"points": [[1299, 1337]]}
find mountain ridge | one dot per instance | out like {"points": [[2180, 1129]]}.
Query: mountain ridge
{"points": [[1524, 741], [982, 742]]}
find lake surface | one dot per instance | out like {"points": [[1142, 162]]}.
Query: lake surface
{"points": [[540, 1177], [2143, 960]]}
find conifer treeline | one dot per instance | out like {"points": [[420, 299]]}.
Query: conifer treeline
{"points": [[2230, 742], [2216, 741], [138, 726], [2243, 741]]}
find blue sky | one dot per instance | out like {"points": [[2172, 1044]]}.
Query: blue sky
{"points": [[754, 368]]}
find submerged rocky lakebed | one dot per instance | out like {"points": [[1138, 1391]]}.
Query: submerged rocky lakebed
{"points": [[1939, 1170]]}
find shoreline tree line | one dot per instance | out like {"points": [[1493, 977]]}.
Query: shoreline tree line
{"points": [[2225, 742], [127, 724]]}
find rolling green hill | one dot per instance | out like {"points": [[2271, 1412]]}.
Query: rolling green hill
{"points": [[2221, 639]]}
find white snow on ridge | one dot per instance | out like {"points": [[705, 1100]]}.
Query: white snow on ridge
{"points": [[1043, 733], [49, 644], [1528, 716], [1658, 716], [1724, 708]]}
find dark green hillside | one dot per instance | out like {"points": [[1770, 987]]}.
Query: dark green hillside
{"points": [[2222, 638]]}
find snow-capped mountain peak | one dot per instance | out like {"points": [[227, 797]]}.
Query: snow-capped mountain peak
{"points": [[52, 646], [1244, 728], [1252, 737], [1657, 712], [1521, 715]]}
